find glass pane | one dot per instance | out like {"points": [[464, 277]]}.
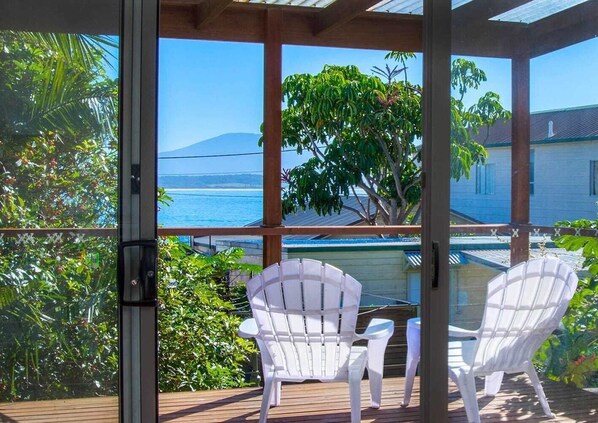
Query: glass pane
{"points": [[531, 127], [210, 160], [58, 202]]}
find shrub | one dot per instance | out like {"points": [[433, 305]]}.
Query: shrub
{"points": [[570, 354], [199, 346]]}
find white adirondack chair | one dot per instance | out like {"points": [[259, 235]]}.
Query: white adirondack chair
{"points": [[523, 307], [304, 316]]}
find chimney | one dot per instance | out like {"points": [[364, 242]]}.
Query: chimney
{"points": [[550, 129]]}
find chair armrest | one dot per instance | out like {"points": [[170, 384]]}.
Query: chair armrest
{"points": [[248, 329], [457, 332], [377, 329]]}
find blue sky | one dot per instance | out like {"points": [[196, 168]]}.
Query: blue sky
{"points": [[210, 88]]}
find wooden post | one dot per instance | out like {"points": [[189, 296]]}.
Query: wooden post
{"points": [[272, 134], [520, 155]]}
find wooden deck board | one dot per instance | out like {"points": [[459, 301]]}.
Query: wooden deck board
{"points": [[318, 402]]}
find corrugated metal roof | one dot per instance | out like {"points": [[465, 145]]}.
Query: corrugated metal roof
{"points": [[304, 3], [527, 13], [567, 124], [410, 7], [415, 259], [536, 10], [311, 218], [501, 259]]}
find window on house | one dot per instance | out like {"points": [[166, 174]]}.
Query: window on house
{"points": [[485, 178], [532, 165], [594, 177]]}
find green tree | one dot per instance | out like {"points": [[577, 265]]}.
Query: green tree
{"points": [[363, 132]]}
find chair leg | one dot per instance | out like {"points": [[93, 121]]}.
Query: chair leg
{"points": [[375, 366], [466, 383], [410, 370], [266, 395], [531, 372], [276, 393], [492, 383], [413, 355], [355, 396]]}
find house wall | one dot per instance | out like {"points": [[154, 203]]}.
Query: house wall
{"points": [[472, 287], [561, 191], [381, 272], [488, 208]]}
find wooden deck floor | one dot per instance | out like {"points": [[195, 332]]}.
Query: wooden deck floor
{"points": [[318, 402]]}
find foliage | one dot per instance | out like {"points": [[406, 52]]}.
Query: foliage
{"points": [[57, 166], [363, 132], [199, 345], [58, 305], [57, 137], [570, 355], [59, 325]]}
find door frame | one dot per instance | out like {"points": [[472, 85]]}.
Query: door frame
{"points": [[435, 210], [138, 358]]}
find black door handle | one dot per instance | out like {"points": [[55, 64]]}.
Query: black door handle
{"points": [[146, 274]]}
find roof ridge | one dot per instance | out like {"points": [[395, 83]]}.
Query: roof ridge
{"points": [[565, 109]]}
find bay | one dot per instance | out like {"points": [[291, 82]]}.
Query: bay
{"points": [[199, 207]]}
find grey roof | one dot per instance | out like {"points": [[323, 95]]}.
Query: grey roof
{"points": [[501, 258], [567, 125], [311, 218]]}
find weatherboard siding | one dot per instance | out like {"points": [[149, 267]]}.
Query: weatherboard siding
{"points": [[488, 208], [380, 272], [561, 187], [473, 281], [563, 183]]}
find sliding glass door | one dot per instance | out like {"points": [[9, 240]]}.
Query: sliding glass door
{"points": [[71, 78]]}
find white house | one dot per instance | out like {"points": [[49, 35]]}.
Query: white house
{"points": [[564, 151]]}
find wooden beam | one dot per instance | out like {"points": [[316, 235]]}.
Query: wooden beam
{"points": [[243, 22], [72, 16], [340, 12], [478, 11], [272, 134], [520, 155], [563, 29], [208, 10], [488, 39]]}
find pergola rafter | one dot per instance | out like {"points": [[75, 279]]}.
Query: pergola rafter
{"points": [[340, 12]]}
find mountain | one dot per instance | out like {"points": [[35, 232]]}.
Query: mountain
{"points": [[222, 161]]}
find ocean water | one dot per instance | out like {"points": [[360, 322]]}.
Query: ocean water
{"points": [[211, 207]]}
